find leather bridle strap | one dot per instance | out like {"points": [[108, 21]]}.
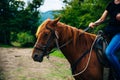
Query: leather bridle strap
{"points": [[44, 48]]}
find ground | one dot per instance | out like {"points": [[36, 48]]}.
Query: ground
{"points": [[17, 64]]}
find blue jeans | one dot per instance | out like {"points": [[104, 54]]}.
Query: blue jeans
{"points": [[110, 53]]}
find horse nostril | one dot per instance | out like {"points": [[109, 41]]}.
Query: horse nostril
{"points": [[35, 56], [38, 57]]}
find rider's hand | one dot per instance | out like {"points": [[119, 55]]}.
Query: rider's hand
{"points": [[92, 25], [118, 16]]}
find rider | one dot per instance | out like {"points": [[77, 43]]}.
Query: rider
{"points": [[113, 30]]}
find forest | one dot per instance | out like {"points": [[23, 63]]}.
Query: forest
{"points": [[18, 21]]}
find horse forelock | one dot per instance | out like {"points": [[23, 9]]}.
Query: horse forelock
{"points": [[41, 27]]}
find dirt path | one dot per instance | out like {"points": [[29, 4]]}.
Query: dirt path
{"points": [[18, 65]]}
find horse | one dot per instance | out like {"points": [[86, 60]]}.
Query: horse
{"points": [[75, 45]]}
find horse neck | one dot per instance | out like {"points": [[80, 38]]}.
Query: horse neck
{"points": [[78, 45]]}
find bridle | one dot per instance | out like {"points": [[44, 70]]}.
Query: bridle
{"points": [[53, 36], [44, 48]]}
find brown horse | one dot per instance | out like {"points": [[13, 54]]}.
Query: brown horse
{"points": [[74, 43]]}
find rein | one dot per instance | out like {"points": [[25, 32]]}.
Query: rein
{"points": [[79, 59], [84, 54], [88, 51], [54, 36], [57, 44]]}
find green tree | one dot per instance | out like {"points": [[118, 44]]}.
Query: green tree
{"points": [[80, 13], [4, 33], [15, 17]]}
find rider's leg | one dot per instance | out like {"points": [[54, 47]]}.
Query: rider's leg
{"points": [[110, 52]]}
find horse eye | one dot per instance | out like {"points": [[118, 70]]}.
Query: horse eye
{"points": [[45, 35]]}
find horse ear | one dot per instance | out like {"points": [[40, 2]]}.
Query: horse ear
{"points": [[56, 20]]}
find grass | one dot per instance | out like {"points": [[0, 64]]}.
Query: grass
{"points": [[2, 76], [60, 73], [57, 53]]}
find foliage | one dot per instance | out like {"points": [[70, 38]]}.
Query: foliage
{"points": [[25, 39], [80, 13], [16, 17]]}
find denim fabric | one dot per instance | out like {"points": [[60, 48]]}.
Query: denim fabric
{"points": [[110, 52]]}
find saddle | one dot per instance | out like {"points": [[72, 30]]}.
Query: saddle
{"points": [[100, 47]]}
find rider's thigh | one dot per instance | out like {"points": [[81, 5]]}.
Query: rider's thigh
{"points": [[114, 44]]}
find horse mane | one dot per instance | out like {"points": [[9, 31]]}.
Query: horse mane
{"points": [[75, 34], [70, 32]]}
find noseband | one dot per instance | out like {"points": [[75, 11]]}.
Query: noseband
{"points": [[53, 36], [44, 48]]}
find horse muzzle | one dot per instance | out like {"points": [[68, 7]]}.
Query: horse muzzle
{"points": [[38, 57]]}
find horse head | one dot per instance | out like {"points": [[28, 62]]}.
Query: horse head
{"points": [[46, 36]]}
